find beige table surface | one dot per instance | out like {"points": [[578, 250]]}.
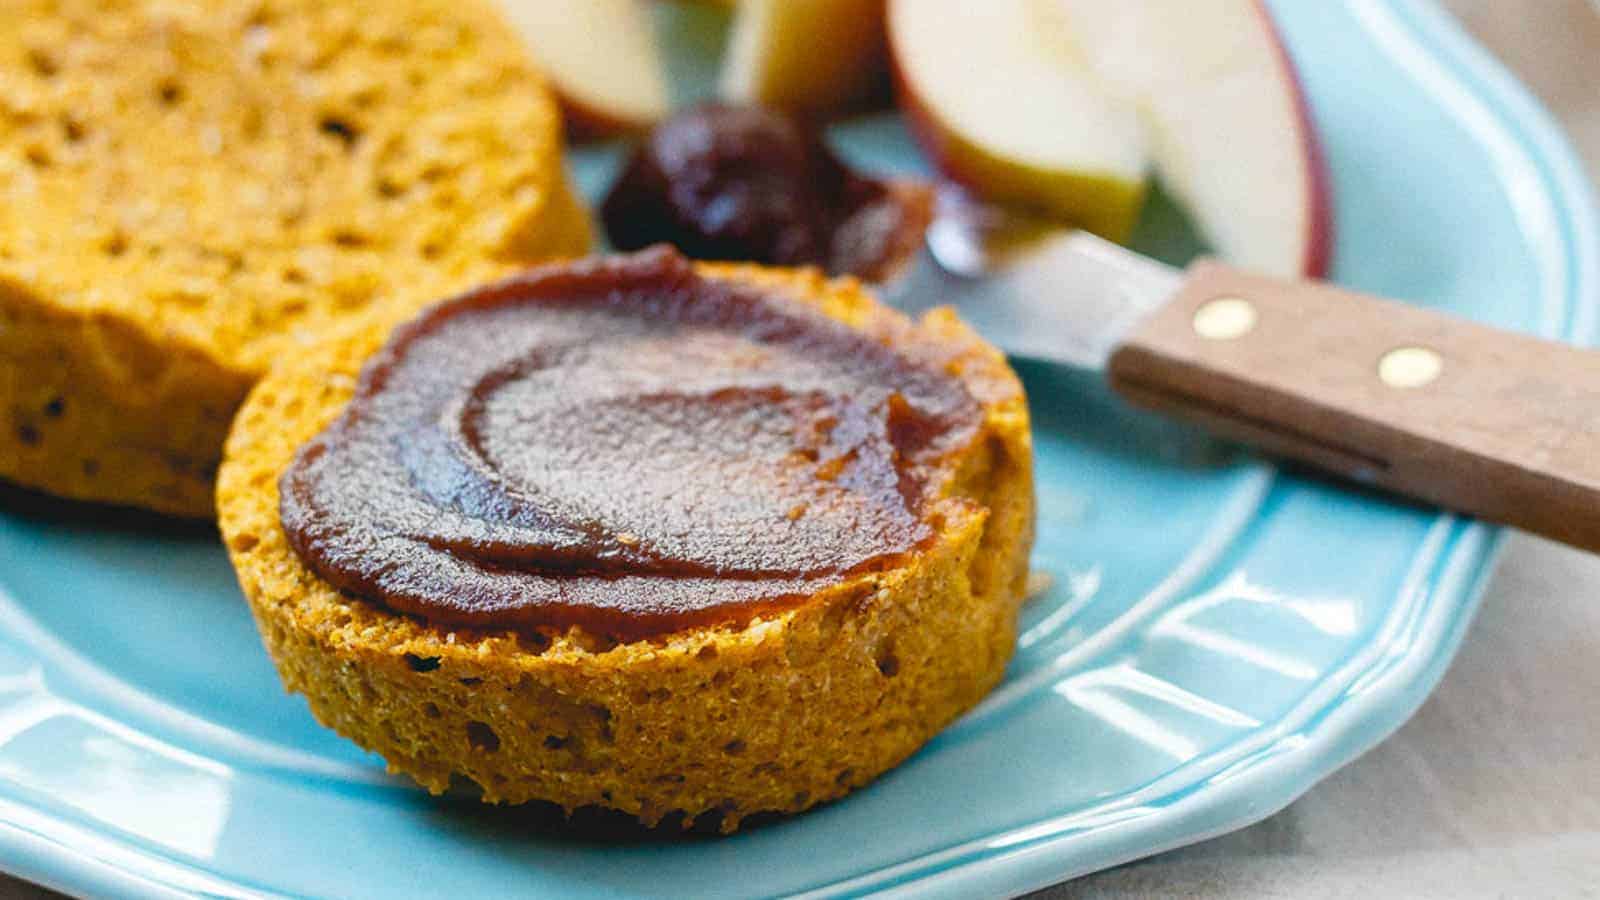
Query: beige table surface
{"points": [[1493, 789]]}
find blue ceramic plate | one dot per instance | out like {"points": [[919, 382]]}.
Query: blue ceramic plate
{"points": [[1219, 636]]}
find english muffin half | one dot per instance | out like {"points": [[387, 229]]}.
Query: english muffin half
{"points": [[190, 191], [680, 540]]}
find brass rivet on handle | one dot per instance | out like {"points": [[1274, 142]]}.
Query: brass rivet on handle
{"points": [[1225, 318], [1410, 367]]}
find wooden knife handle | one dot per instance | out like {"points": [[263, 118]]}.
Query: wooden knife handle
{"points": [[1495, 424]]}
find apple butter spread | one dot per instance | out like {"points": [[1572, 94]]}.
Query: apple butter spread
{"points": [[748, 184], [627, 446]]}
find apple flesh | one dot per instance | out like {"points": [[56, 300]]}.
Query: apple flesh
{"points": [[1230, 134], [812, 57], [601, 59], [996, 96]]}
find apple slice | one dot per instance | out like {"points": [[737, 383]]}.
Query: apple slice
{"points": [[1229, 130], [804, 56], [601, 59], [998, 98]]}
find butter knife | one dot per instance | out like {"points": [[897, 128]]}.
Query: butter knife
{"points": [[1460, 415]]}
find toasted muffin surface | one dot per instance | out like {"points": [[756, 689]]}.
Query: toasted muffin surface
{"points": [[774, 714], [193, 190]]}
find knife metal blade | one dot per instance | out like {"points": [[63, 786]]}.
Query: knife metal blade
{"points": [[1037, 291]]}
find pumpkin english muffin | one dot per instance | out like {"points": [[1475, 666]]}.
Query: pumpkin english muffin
{"points": [[677, 539], [193, 190]]}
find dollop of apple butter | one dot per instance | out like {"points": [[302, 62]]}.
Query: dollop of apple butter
{"points": [[624, 445], [749, 184]]}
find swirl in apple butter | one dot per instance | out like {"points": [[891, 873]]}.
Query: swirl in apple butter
{"points": [[627, 446]]}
